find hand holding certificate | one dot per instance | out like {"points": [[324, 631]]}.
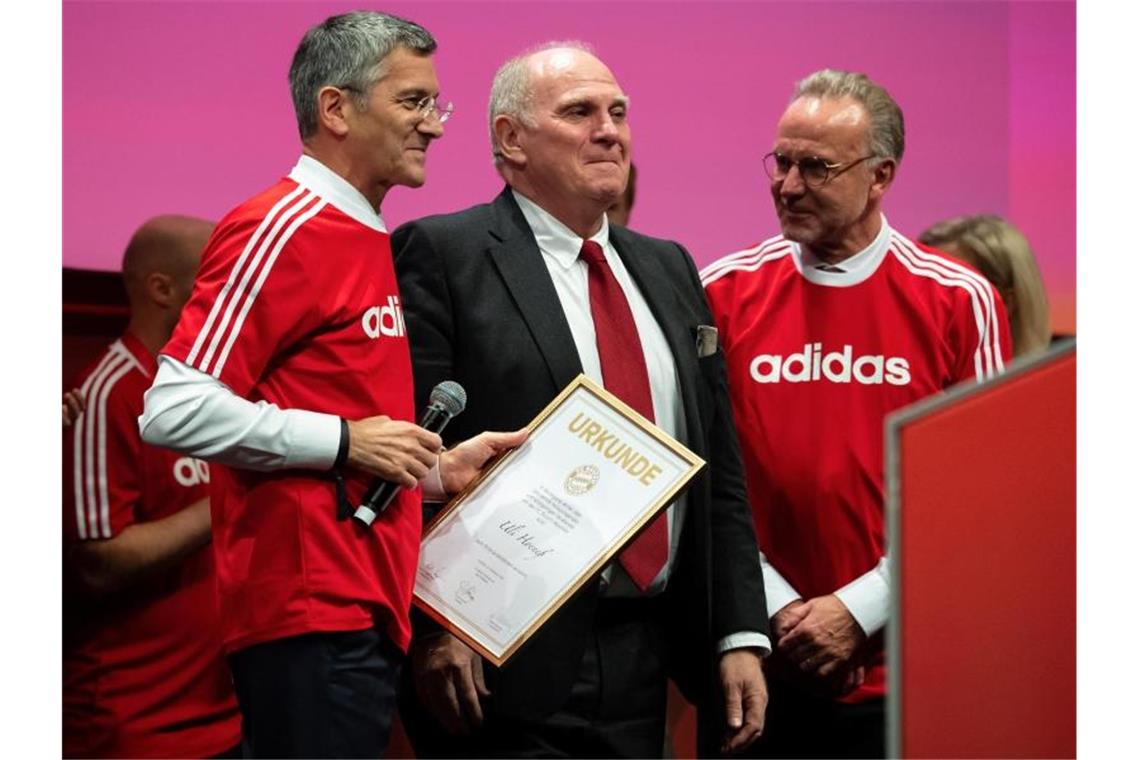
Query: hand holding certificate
{"points": [[518, 542]]}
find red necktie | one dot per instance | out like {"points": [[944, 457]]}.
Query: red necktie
{"points": [[624, 374]]}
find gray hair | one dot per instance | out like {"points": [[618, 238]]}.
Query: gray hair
{"points": [[887, 137], [348, 51], [511, 91]]}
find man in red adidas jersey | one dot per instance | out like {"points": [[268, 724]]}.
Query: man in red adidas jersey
{"points": [[290, 368], [143, 673], [826, 329]]}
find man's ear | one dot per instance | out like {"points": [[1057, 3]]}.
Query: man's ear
{"points": [[882, 176], [334, 107], [508, 136], [160, 289]]}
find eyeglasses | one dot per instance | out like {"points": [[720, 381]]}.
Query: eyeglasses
{"points": [[815, 171], [427, 106]]}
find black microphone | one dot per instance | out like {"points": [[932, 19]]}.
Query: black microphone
{"points": [[447, 400]]}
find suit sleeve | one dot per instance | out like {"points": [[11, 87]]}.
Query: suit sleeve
{"points": [[739, 603], [426, 296]]}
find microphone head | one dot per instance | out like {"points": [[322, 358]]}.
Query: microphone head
{"points": [[449, 396]]}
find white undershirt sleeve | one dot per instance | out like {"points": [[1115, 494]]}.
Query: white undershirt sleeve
{"points": [[196, 414], [432, 483], [743, 640], [868, 597], [777, 591]]}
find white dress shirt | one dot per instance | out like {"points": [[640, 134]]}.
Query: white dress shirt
{"points": [[560, 248]]}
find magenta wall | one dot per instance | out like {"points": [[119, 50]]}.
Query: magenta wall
{"points": [[184, 107]]}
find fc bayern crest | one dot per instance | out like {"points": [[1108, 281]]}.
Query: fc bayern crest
{"points": [[581, 479]]}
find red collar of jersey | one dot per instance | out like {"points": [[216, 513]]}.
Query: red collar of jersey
{"points": [[145, 358]]}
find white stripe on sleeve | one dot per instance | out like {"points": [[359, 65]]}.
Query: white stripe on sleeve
{"points": [[983, 358], [747, 261], [281, 241], [221, 331], [220, 301]]}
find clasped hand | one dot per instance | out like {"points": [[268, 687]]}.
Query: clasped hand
{"points": [[818, 640]]}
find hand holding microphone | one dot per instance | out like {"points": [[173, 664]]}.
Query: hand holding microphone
{"points": [[404, 453]]}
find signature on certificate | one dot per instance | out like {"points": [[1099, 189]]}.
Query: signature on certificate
{"points": [[465, 593]]}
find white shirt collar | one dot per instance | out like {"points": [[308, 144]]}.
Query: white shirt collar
{"points": [[850, 271], [330, 186], [554, 237]]}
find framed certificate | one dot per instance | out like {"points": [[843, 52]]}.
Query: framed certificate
{"points": [[501, 558]]}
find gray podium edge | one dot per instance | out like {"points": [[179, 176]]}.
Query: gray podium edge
{"points": [[894, 424]]}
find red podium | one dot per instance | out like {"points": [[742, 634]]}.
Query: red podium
{"points": [[981, 512]]}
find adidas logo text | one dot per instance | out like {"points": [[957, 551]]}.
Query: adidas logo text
{"points": [[812, 364], [189, 471], [384, 320]]}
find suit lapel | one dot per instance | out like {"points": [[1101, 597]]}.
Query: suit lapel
{"points": [[515, 254], [660, 292]]}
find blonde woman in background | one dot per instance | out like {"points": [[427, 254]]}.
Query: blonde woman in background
{"points": [[999, 251]]}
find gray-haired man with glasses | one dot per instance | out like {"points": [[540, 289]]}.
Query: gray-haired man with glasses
{"points": [[827, 328], [290, 370]]}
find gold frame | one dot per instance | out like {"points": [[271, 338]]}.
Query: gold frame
{"points": [[580, 384]]}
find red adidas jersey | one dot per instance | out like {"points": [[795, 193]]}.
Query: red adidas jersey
{"points": [[816, 360], [296, 304], [143, 673]]}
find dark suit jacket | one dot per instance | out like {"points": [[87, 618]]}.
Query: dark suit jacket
{"points": [[481, 309]]}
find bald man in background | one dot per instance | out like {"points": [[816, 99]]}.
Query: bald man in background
{"points": [[143, 674]]}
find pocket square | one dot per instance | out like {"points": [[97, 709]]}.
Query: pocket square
{"points": [[706, 341]]}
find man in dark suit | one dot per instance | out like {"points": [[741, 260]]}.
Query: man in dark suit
{"points": [[515, 298]]}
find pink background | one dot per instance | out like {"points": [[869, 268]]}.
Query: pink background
{"points": [[183, 107]]}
